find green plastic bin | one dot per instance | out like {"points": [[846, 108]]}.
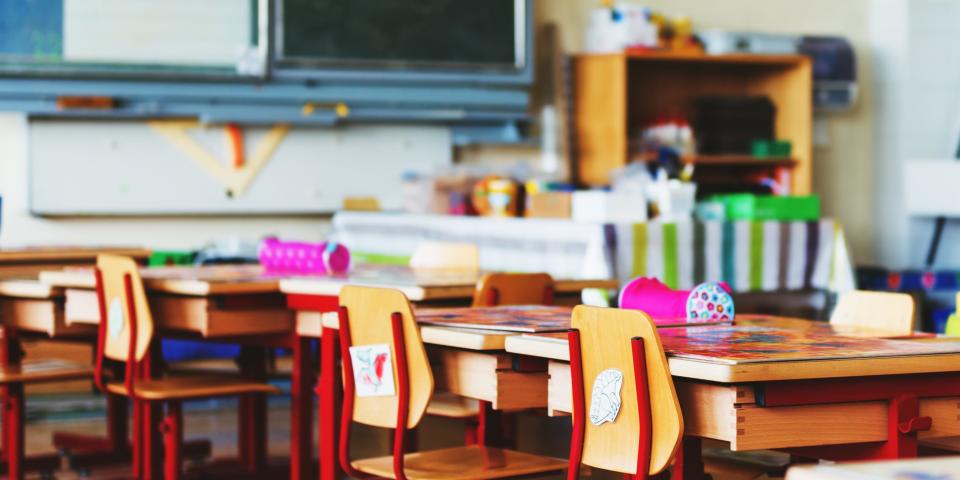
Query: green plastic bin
{"points": [[770, 207]]}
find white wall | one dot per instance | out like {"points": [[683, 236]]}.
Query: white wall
{"points": [[918, 104], [18, 227]]}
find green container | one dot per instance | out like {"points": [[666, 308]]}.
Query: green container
{"points": [[769, 207], [771, 148], [159, 258]]}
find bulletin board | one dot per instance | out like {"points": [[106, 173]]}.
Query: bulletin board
{"points": [[92, 168]]}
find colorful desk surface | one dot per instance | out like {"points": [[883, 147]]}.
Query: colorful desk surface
{"points": [[417, 285], [515, 318], [770, 348], [942, 468]]}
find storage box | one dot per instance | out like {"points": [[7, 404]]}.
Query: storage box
{"points": [[549, 204], [609, 207], [769, 207]]}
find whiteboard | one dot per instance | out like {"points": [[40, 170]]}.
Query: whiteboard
{"points": [[126, 168], [930, 187], [179, 32]]}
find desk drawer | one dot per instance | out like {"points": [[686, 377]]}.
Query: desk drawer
{"points": [[729, 413], [490, 377], [41, 316], [211, 317]]}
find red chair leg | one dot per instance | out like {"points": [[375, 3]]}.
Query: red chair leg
{"points": [[13, 430], [173, 441], [137, 438], [472, 434]]}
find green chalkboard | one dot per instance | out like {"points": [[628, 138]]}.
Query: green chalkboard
{"points": [[403, 33]]}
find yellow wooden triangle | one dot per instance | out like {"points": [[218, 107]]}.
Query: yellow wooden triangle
{"points": [[237, 180]]}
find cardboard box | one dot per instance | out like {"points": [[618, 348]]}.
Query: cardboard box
{"points": [[549, 205]]}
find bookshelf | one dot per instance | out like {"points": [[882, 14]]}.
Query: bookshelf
{"points": [[616, 94]]}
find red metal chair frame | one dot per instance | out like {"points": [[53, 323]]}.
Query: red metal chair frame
{"points": [[349, 388], [580, 410], [144, 450]]}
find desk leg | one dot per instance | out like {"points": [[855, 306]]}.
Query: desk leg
{"points": [[689, 461], [253, 412], [12, 404], [328, 396], [301, 410]]}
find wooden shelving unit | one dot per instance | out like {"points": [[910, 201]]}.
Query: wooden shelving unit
{"points": [[616, 94]]}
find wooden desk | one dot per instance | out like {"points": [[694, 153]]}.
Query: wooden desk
{"points": [[19, 261], [944, 468], [736, 385], [214, 301], [473, 366], [420, 285]]}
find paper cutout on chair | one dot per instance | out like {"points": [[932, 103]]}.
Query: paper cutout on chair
{"points": [[605, 399], [372, 370], [237, 178], [115, 318]]}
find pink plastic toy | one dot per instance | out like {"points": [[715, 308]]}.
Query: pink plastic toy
{"points": [[709, 301], [278, 256]]}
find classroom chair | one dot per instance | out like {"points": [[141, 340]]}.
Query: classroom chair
{"points": [[13, 379], [631, 421], [126, 334], [493, 289], [445, 255], [886, 313], [378, 324], [514, 289]]}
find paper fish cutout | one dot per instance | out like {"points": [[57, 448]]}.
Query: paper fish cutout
{"points": [[605, 399], [372, 370], [709, 301], [115, 318]]}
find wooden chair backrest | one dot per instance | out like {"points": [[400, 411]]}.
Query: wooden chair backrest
{"points": [[887, 313], [514, 289], [605, 343], [114, 303], [460, 256], [368, 311]]}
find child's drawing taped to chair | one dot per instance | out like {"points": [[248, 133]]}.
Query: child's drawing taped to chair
{"points": [[605, 398], [372, 370]]}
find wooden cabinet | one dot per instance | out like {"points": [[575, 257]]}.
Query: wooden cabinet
{"points": [[615, 95]]}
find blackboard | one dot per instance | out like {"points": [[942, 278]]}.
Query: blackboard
{"points": [[404, 33]]}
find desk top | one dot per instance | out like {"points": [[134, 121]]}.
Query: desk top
{"points": [[756, 349], [198, 281], [417, 285], [54, 254], [234, 279], [943, 468], [28, 288]]}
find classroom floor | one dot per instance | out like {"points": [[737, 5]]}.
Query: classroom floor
{"points": [[217, 421]]}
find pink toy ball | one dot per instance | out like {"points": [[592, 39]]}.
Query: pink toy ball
{"points": [[278, 256]]}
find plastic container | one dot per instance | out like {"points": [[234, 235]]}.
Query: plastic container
{"points": [[769, 207], [278, 256]]}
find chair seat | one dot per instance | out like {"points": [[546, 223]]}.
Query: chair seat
{"points": [[446, 404], [193, 386], [46, 370], [462, 463]]}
